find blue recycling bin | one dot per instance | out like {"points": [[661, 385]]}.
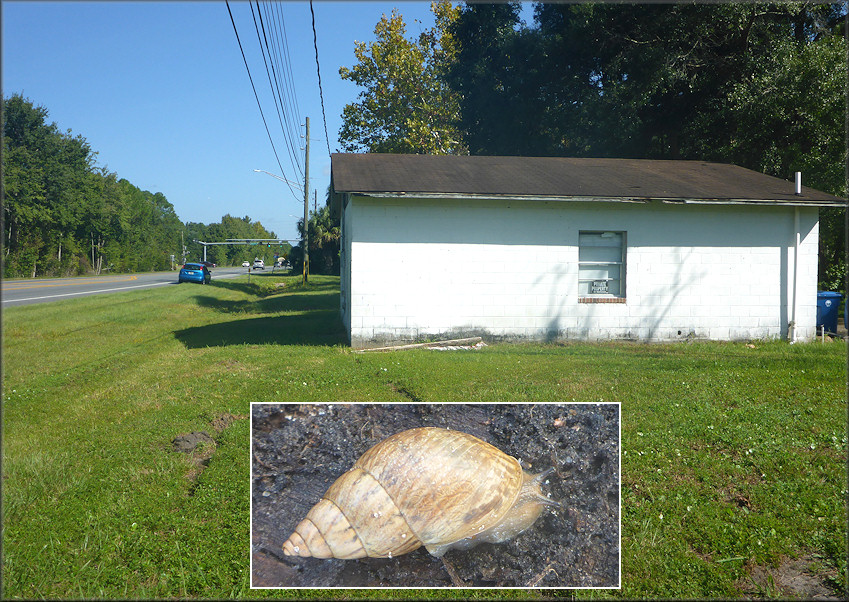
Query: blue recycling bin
{"points": [[827, 310]]}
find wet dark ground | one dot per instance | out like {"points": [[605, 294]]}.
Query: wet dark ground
{"points": [[299, 450]]}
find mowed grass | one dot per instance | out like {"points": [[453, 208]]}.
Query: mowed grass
{"points": [[734, 454]]}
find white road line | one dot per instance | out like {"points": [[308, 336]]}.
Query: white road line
{"points": [[105, 290]]}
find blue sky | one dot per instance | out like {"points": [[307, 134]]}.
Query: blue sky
{"points": [[161, 93]]}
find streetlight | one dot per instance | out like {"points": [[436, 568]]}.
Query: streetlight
{"points": [[298, 186]]}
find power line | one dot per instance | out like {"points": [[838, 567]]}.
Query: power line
{"points": [[267, 131], [288, 97], [288, 65], [318, 70], [263, 39]]}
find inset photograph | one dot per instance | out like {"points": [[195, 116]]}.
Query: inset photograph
{"points": [[435, 495]]}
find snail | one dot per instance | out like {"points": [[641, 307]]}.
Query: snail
{"points": [[426, 486]]}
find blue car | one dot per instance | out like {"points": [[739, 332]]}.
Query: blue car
{"points": [[195, 272]]}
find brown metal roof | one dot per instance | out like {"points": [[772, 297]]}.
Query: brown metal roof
{"points": [[564, 178]]}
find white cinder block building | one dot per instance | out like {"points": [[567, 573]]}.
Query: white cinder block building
{"points": [[561, 248]]}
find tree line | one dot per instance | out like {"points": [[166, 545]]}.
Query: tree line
{"points": [[231, 228], [63, 215], [758, 85]]}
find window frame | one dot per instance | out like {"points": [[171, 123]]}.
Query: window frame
{"points": [[603, 297]]}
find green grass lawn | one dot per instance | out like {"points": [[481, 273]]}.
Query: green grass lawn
{"points": [[733, 455]]}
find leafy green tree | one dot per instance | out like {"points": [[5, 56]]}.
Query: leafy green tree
{"points": [[627, 80], [740, 82], [62, 215], [406, 105], [45, 173], [229, 227], [496, 73]]}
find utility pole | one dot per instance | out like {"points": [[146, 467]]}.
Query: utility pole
{"points": [[307, 206]]}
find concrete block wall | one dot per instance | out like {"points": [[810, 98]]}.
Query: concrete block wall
{"points": [[509, 269]]}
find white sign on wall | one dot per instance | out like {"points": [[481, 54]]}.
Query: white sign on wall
{"points": [[600, 287]]}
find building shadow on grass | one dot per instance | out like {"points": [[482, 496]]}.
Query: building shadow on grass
{"points": [[318, 327], [315, 318], [315, 295], [312, 301]]}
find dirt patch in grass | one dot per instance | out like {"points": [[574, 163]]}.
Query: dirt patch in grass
{"points": [[404, 392], [737, 496], [802, 578], [189, 442], [200, 445], [224, 420], [230, 364], [299, 450]]}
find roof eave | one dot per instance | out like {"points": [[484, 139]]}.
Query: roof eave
{"points": [[606, 199], [773, 202]]}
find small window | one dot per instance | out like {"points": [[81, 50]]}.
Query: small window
{"points": [[601, 264]]}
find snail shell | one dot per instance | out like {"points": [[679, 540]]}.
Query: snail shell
{"points": [[425, 486]]}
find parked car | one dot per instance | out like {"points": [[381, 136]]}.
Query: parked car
{"points": [[194, 272], [259, 264], [246, 264], [208, 264]]}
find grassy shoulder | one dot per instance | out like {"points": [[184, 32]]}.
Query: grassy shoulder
{"points": [[733, 454]]}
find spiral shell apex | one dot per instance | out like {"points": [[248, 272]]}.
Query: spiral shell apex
{"points": [[426, 486]]}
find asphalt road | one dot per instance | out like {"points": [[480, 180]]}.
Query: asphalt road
{"points": [[43, 290]]}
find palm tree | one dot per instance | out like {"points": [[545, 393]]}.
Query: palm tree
{"points": [[325, 236]]}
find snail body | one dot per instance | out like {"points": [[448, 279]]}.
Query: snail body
{"points": [[427, 487]]}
